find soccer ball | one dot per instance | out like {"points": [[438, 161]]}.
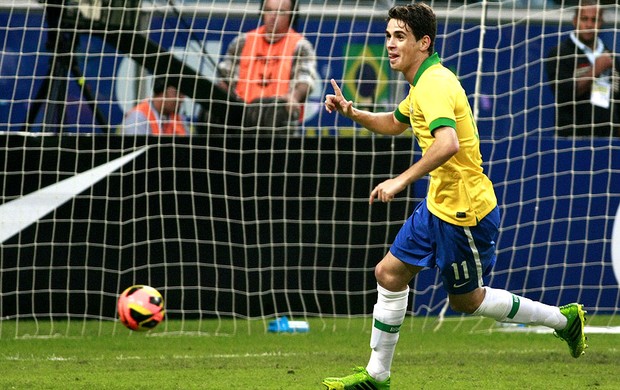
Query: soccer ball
{"points": [[141, 307]]}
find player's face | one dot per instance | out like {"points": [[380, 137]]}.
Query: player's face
{"points": [[276, 17], [405, 52], [587, 21]]}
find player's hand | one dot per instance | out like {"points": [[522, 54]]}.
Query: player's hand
{"points": [[337, 101], [386, 191]]}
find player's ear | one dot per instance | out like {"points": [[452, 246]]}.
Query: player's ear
{"points": [[425, 43]]}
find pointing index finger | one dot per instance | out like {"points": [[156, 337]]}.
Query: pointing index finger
{"points": [[336, 87]]}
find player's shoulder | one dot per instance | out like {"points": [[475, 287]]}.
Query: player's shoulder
{"points": [[436, 75], [441, 69]]}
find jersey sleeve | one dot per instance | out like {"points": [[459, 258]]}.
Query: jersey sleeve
{"points": [[402, 112], [439, 108]]}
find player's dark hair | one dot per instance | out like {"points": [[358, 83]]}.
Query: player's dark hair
{"points": [[420, 18], [294, 12]]}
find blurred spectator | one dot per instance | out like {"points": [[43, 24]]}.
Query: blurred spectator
{"points": [[584, 78], [159, 114], [271, 68]]}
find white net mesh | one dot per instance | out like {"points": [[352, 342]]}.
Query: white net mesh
{"points": [[231, 222]]}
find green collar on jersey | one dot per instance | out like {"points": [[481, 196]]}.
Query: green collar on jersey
{"points": [[430, 61]]}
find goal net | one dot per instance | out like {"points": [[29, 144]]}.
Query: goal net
{"points": [[230, 223]]}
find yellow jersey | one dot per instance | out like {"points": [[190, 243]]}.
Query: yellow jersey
{"points": [[459, 192]]}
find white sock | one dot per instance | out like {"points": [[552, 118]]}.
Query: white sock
{"points": [[388, 316], [504, 306]]}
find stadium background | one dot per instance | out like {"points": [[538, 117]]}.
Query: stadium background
{"points": [[141, 223], [514, 99]]}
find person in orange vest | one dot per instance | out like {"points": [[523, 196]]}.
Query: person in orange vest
{"points": [[271, 68], [159, 114]]}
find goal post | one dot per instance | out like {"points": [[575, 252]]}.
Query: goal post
{"points": [[257, 226]]}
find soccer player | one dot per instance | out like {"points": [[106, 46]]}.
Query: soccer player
{"points": [[455, 227]]}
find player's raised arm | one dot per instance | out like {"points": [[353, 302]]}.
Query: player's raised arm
{"points": [[336, 101], [380, 123]]}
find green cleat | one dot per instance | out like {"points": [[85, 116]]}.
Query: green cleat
{"points": [[361, 380], [573, 332]]}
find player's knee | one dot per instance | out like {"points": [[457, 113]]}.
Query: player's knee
{"points": [[387, 278], [381, 274], [463, 307], [394, 275], [466, 303]]}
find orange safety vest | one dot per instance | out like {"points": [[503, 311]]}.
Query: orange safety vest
{"points": [[174, 126], [264, 67]]}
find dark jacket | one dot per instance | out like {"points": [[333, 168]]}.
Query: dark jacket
{"points": [[575, 115]]}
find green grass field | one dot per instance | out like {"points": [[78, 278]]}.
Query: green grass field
{"points": [[460, 355]]}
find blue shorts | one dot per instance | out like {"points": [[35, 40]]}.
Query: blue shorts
{"points": [[463, 254]]}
